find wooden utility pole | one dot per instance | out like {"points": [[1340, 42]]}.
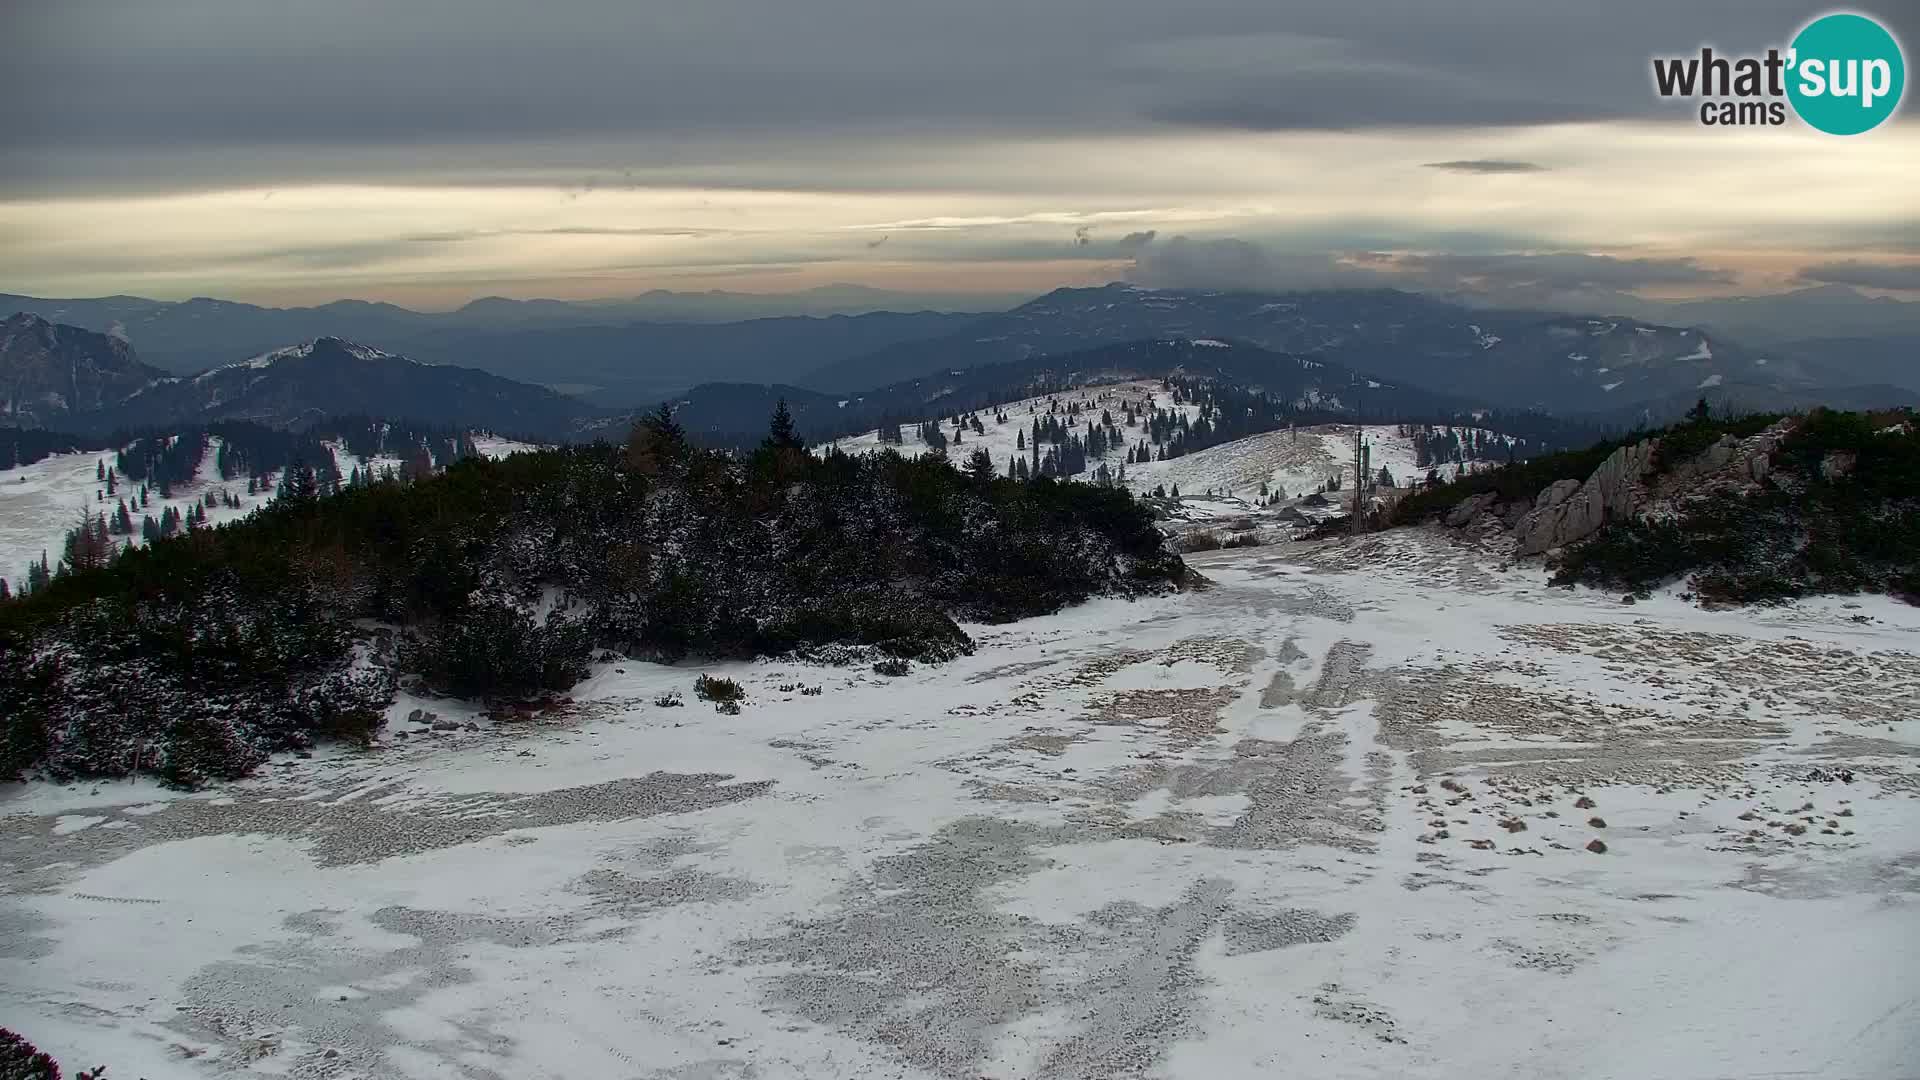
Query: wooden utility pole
{"points": [[1359, 478]]}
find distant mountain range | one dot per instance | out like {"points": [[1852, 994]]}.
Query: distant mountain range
{"points": [[1512, 359], [642, 363], [66, 378], [1824, 311], [616, 352], [730, 411], [519, 366], [634, 351]]}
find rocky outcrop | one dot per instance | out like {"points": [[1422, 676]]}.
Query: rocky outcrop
{"points": [[1470, 509], [1568, 510], [1731, 465], [1624, 486], [1729, 460]]}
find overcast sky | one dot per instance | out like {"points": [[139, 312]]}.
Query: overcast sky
{"points": [[430, 151]]}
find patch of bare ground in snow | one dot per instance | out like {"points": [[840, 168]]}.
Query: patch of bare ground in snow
{"points": [[1701, 670], [1296, 792], [355, 1008], [348, 827], [1435, 556], [1182, 718], [918, 958]]}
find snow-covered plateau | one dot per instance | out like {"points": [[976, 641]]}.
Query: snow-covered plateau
{"points": [[1363, 808]]}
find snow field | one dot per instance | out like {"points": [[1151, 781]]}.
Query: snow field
{"points": [[1261, 829]]}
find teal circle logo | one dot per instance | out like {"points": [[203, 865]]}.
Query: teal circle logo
{"points": [[1846, 74]]}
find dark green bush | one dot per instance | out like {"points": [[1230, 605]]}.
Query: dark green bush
{"points": [[21, 1060], [494, 648], [709, 688]]}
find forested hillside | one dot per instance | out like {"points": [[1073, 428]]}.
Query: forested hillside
{"points": [[196, 655]]}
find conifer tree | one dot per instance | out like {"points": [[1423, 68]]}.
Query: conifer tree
{"points": [[299, 485], [88, 546], [657, 442], [780, 432], [38, 575]]}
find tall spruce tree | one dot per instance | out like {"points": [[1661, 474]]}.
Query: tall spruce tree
{"points": [[780, 432], [657, 442]]}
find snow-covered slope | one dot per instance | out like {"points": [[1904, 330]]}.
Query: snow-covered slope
{"points": [[494, 446], [1296, 461], [40, 502], [1329, 818], [1002, 441]]}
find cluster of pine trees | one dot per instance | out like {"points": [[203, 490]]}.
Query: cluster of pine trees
{"points": [[198, 654], [371, 437], [1435, 445], [25, 446]]}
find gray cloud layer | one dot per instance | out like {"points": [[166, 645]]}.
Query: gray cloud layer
{"points": [[1183, 262], [1865, 274], [89, 84], [1561, 270]]}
